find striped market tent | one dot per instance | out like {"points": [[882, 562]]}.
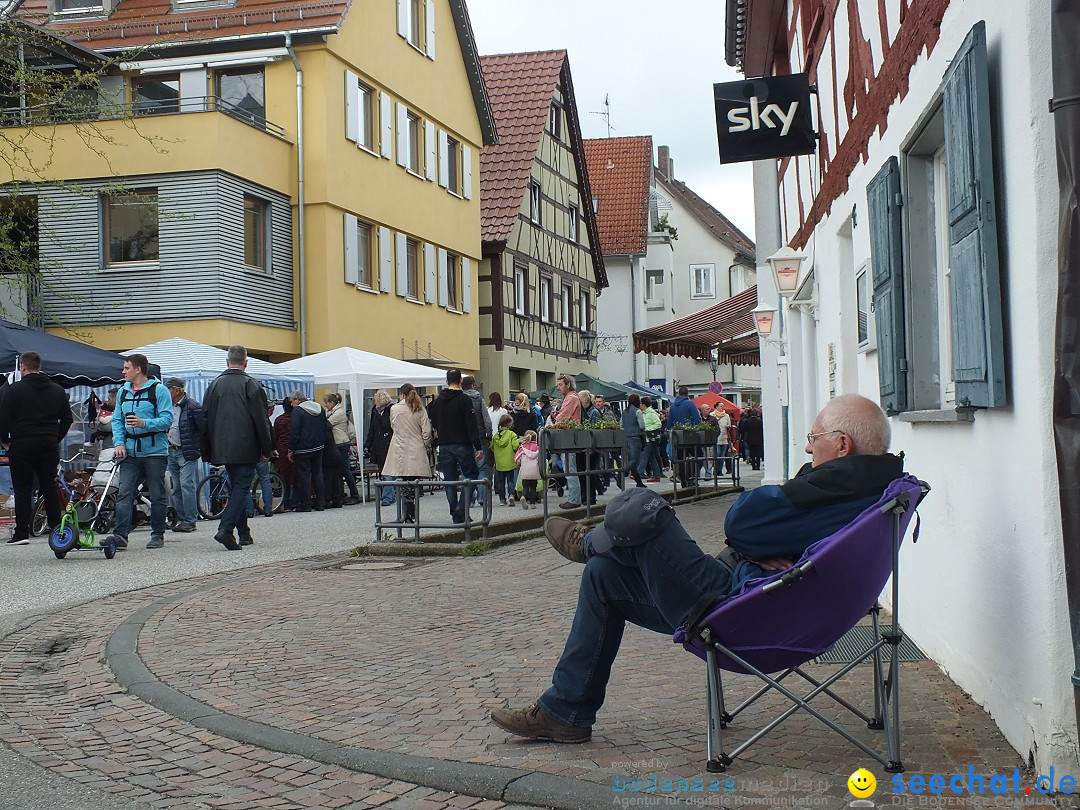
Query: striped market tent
{"points": [[728, 327]]}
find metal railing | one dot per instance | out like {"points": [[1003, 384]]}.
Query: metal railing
{"points": [[58, 112], [585, 476], [687, 460], [429, 486]]}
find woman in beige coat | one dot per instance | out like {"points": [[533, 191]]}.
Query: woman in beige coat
{"points": [[407, 457]]}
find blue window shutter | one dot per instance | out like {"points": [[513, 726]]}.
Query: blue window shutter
{"points": [[977, 340], [887, 262]]}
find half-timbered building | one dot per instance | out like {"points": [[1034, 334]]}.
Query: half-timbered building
{"points": [[928, 216], [541, 270]]}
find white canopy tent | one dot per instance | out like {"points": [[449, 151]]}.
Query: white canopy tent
{"points": [[359, 370]]}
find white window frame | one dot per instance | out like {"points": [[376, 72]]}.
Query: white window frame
{"points": [[453, 165], [575, 218], [545, 298], [364, 255], [534, 202], [412, 269], [264, 237], [453, 282], [583, 310], [106, 208], [413, 141], [567, 306], [555, 121], [654, 281], [521, 288], [864, 308], [703, 280]]}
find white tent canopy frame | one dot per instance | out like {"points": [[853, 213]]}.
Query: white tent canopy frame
{"points": [[359, 370]]}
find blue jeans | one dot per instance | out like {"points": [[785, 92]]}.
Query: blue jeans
{"points": [[457, 461], [184, 474], [235, 514], [573, 483], [506, 480], [656, 585], [262, 469], [134, 469], [632, 456]]}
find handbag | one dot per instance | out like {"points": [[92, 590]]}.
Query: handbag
{"points": [[654, 436]]}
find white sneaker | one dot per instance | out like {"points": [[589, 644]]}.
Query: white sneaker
{"points": [[18, 541]]}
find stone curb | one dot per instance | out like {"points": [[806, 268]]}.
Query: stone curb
{"points": [[494, 782]]}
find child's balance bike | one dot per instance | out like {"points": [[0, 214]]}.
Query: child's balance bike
{"points": [[80, 523]]}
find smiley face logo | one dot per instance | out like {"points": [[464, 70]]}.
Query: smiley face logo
{"points": [[861, 783]]}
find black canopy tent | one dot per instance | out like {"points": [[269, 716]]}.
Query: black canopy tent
{"points": [[68, 362]]}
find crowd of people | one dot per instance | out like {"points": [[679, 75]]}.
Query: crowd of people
{"points": [[154, 427]]}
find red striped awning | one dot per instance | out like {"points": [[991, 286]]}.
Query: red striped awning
{"points": [[727, 326]]}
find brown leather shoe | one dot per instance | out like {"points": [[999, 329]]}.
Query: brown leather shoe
{"points": [[567, 537], [534, 723]]}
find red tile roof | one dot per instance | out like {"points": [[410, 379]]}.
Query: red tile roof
{"points": [[137, 23], [520, 87], [620, 172]]}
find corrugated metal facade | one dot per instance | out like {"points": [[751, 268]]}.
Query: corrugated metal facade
{"points": [[200, 273]]}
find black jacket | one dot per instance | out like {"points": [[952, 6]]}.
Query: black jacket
{"points": [[307, 430], [453, 420], [236, 420], [331, 457], [379, 435], [190, 416], [32, 409], [524, 421]]}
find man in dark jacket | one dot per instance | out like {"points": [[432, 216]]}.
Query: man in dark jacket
{"points": [[238, 426], [458, 441], [682, 412], [184, 454], [34, 417], [307, 438], [643, 567]]}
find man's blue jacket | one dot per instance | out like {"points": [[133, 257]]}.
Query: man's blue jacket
{"points": [[682, 412]]}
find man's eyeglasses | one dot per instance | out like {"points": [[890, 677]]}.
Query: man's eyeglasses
{"points": [[813, 437]]}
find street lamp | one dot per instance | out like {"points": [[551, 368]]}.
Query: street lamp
{"points": [[764, 321], [785, 264], [588, 340]]}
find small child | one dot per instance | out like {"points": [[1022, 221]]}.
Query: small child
{"points": [[504, 444], [528, 460]]}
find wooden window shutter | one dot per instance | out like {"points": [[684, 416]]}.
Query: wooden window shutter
{"points": [[352, 259], [444, 291], [429, 40], [402, 134], [466, 284], [385, 259], [352, 106], [429, 273], [466, 171], [886, 259], [444, 159], [401, 283], [429, 149], [386, 124], [403, 18], [977, 340]]}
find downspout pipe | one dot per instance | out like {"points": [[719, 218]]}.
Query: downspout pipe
{"points": [[1065, 107], [302, 249]]}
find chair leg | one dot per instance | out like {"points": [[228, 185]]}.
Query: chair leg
{"points": [[877, 722], [717, 762]]}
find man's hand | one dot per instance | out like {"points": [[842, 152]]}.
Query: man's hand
{"points": [[479, 454], [119, 452], [290, 455], [774, 564]]}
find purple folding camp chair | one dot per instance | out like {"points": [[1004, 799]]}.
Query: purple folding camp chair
{"points": [[778, 623]]}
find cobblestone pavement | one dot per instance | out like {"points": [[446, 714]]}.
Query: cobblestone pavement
{"points": [[369, 670]]}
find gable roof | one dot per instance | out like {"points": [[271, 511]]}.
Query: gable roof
{"points": [[620, 172], [521, 88], [720, 226]]}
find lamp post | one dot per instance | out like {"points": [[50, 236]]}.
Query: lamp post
{"points": [[714, 360], [588, 340]]}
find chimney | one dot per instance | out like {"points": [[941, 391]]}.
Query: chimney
{"points": [[665, 165]]}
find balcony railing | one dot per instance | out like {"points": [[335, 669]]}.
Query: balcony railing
{"points": [[58, 112]]}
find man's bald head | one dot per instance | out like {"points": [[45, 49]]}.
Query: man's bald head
{"points": [[849, 425]]}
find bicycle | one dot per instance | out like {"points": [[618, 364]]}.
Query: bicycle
{"points": [[80, 488], [213, 493]]}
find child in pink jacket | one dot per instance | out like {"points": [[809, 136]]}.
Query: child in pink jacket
{"points": [[528, 461]]}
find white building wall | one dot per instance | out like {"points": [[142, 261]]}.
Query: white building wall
{"points": [[618, 308], [983, 591]]}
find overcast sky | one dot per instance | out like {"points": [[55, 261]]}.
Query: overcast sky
{"points": [[657, 62]]}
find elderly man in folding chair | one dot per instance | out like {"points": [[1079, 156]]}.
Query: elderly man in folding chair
{"points": [[642, 566]]}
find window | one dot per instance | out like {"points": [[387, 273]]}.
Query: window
{"points": [[131, 227], [412, 161], [453, 169], [416, 14], [654, 293], [416, 24], [555, 122], [573, 223], [545, 299], [583, 310], [567, 306], [701, 280], [412, 269], [241, 93], [366, 112], [934, 257], [78, 5], [534, 202], [364, 275], [521, 288], [256, 216], [156, 94], [453, 297], [864, 328]]}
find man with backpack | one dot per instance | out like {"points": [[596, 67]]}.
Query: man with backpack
{"points": [[140, 428]]}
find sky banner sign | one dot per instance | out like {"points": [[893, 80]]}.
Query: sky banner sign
{"points": [[764, 118]]}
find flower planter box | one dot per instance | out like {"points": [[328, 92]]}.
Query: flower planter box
{"points": [[685, 438], [709, 437], [608, 439], [567, 440]]}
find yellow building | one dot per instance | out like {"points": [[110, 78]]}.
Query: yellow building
{"points": [[293, 176], [543, 268]]}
